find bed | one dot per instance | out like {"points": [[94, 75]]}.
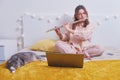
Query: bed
{"points": [[31, 31]]}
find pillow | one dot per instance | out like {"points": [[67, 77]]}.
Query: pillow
{"points": [[44, 45]]}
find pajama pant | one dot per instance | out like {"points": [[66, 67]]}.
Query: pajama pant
{"points": [[65, 47]]}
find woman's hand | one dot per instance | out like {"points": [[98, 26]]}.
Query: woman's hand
{"points": [[58, 32], [57, 29], [67, 27]]}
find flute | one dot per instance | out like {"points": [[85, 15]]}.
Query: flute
{"points": [[62, 26]]}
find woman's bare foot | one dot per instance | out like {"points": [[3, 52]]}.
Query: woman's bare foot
{"points": [[88, 57]]}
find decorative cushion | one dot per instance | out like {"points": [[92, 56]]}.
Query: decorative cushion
{"points": [[44, 45], [39, 70]]}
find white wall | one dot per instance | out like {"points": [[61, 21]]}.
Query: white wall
{"points": [[10, 10]]}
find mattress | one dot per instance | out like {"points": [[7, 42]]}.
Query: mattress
{"points": [[110, 53], [105, 67]]}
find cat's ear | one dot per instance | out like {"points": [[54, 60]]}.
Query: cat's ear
{"points": [[9, 61]]}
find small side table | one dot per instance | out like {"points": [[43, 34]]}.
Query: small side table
{"points": [[8, 47], [2, 56]]}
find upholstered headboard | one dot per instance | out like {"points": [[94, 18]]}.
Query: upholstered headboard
{"points": [[32, 28]]}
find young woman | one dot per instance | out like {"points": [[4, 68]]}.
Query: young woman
{"points": [[77, 37]]}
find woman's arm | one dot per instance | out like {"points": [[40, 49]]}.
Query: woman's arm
{"points": [[63, 37], [58, 32]]}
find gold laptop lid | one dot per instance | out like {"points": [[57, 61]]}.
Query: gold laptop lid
{"points": [[65, 60]]}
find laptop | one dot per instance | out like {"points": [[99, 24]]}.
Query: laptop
{"points": [[65, 60]]}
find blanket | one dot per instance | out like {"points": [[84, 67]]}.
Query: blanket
{"points": [[39, 70]]}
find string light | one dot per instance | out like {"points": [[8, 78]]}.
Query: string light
{"points": [[26, 13], [58, 18], [106, 18], [98, 23], [41, 18], [66, 13], [19, 19], [33, 16], [20, 39], [116, 16], [49, 21]]}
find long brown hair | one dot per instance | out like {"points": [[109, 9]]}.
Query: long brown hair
{"points": [[86, 22]]}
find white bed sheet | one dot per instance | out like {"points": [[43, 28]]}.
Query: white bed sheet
{"points": [[28, 50], [110, 53]]}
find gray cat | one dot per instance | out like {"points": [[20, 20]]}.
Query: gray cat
{"points": [[20, 59]]}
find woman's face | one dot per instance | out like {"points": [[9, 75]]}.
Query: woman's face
{"points": [[81, 15]]}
